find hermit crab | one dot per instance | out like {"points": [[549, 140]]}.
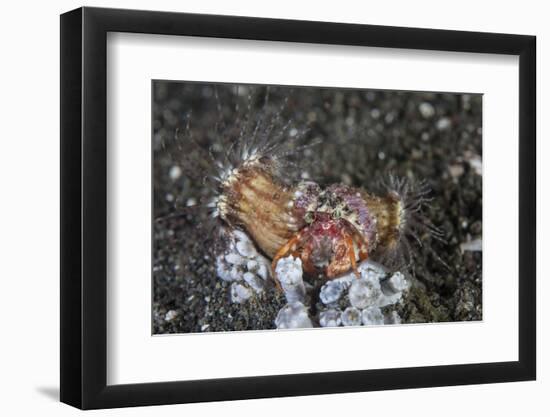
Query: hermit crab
{"points": [[331, 228]]}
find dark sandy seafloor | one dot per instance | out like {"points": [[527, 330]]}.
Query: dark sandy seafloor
{"points": [[365, 135]]}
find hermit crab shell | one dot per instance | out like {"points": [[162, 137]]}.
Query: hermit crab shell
{"points": [[254, 200]]}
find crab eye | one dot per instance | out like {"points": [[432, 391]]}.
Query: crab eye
{"points": [[337, 213], [309, 216]]}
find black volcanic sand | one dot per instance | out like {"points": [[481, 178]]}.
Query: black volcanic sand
{"points": [[365, 134]]}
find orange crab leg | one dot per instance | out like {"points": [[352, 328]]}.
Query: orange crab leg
{"points": [[362, 243], [287, 248], [307, 264], [351, 255]]}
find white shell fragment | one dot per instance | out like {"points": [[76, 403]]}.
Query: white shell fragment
{"points": [[426, 110], [351, 317], [240, 293], [397, 282], [223, 271], [363, 293], [293, 316], [242, 263], [175, 172], [289, 273], [170, 315], [264, 270], [234, 259], [252, 266], [443, 124], [476, 164], [330, 318], [333, 290], [254, 281], [372, 316], [246, 248]]}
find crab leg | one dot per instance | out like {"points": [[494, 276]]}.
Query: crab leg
{"points": [[351, 255], [307, 264]]}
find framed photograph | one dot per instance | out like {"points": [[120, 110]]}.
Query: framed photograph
{"points": [[257, 208]]}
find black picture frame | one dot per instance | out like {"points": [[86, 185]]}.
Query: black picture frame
{"points": [[84, 207]]}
